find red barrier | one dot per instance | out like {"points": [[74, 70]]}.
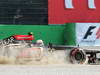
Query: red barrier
{"points": [[58, 14]]}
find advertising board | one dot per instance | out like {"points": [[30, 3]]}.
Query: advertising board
{"points": [[88, 34]]}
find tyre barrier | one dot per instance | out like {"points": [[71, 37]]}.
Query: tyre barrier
{"points": [[77, 56]]}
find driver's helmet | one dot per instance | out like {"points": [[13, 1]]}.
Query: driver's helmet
{"points": [[30, 33]]}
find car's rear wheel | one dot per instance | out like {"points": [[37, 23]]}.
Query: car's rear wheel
{"points": [[77, 56]]}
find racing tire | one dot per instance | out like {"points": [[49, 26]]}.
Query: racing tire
{"points": [[77, 56]]}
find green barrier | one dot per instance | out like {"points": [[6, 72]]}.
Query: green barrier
{"points": [[56, 34], [70, 34]]}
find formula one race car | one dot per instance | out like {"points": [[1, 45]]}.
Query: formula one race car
{"points": [[21, 48]]}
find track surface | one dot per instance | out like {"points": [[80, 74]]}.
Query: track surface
{"points": [[50, 70]]}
